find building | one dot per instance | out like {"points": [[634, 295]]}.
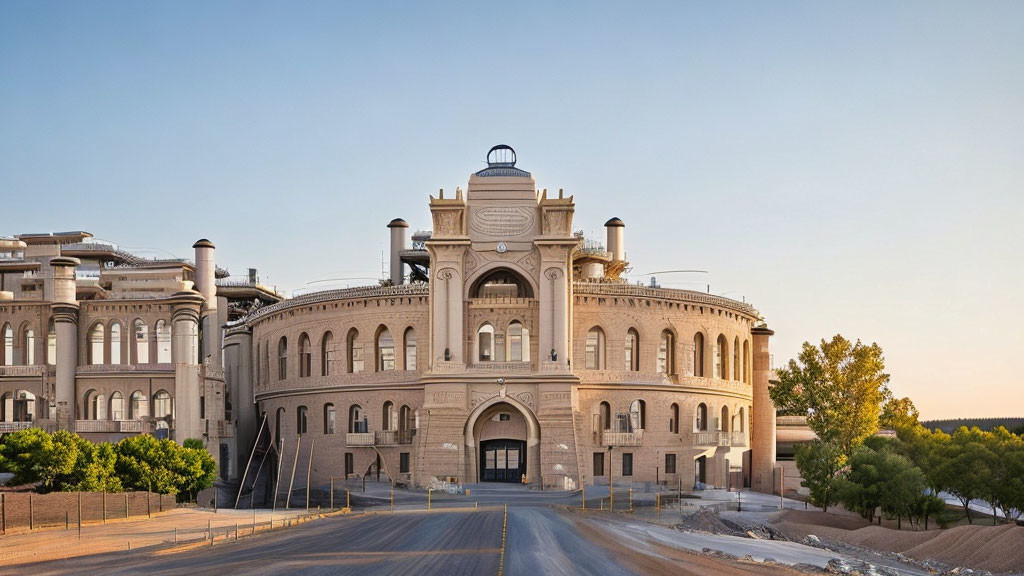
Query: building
{"points": [[108, 344], [513, 350]]}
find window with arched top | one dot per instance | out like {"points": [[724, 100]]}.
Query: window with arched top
{"points": [[51, 343], [163, 405], [96, 344], [329, 417], [385, 350], [356, 420], [300, 420], [305, 356], [501, 283], [326, 353], [138, 406], [258, 363], [632, 350], [605, 413], [406, 420], [115, 343], [410, 349], [98, 406], [722, 358], [673, 421], [595, 349], [7, 359], [724, 424], [282, 358], [746, 362], [163, 342], [637, 415], [116, 406], [666, 353], [517, 342], [29, 346], [278, 423], [485, 343], [742, 420], [354, 349], [389, 418], [140, 340], [702, 417], [736, 365], [698, 354]]}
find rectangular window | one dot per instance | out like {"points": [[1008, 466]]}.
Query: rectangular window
{"points": [[349, 464], [357, 358], [329, 420], [202, 406], [670, 463], [598, 464], [403, 463], [627, 464]]}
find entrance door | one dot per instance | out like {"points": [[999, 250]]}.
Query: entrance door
{"points": [[502, 460]]}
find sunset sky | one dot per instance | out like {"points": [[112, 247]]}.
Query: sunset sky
{"points": [[847, 167]]}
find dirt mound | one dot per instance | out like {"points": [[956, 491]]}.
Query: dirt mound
{"points": [[843, 521], [707, 520], [887, 539], [995, 548]]}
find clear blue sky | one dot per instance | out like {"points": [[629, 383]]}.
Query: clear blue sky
{"points": [[846, 167]]}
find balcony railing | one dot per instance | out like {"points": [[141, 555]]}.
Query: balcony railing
{"points": [[359, 439], [738, 438], [634, 438], [97, 426], [6, 427], [31, 370], [392, 437], [719, 438]]}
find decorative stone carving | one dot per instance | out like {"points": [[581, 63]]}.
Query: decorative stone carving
{"points": [[502, 222], [470, 262], [530, 261], [525, 398], [480, 397], [446, 273], [448, 398], [553, 273], [447, 222]]}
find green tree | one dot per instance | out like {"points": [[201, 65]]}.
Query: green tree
{"points": [[898, 414], [821, 464], [37, 457], [1003, 486], [839, 385], [963, 469]]}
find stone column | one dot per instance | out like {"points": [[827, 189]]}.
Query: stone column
{"points": [[185, 356], [238, 378], [206, 284], [65, 320], [398, 229], [762, 433]]}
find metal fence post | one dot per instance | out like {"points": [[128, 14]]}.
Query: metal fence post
{"points": [[332, 492], [79, 515], [126, 514], [3, 514], [104, 511], [31, 513]]}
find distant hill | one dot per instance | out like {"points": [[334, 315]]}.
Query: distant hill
{"points": [[948, 426]]}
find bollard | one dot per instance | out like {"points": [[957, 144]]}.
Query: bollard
{"points": [[236, 531], [332, 492], [209, 528], [67, 520], [175, 534], [348, 501], [79, 515], [3, 513], [129, 545], [149, 504], [125, 505], [392, 499], [428, 498], [583, 488], [253, 521], [657, 497], [630, 497], [31, 519], [104, 513]]}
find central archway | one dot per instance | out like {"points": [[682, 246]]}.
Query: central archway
{"points": [[489, 434]]}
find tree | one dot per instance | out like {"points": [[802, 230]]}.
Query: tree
{"points": [[898, 414], [821, 465], [839, 385], [37, 457], [964, 467], [1003, 485]]}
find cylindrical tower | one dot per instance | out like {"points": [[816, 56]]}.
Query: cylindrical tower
{"points": [[206, 284], [762, 432], [616, 244], [185, 356], [65, 320], [398, 228]]}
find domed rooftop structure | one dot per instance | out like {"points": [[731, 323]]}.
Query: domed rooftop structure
{"points": [[501, 162]]}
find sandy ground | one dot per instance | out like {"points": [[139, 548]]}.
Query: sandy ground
{"points": [[999, 549], [183, 524]]}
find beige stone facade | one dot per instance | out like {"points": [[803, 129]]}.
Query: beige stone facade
{"points": [[517, 351]]}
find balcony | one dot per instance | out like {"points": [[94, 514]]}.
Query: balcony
{"points": [[392, 437], [359, 439], [35, 370], [738, 438], [634, 438], [6, 427], [719, 438], [97, 426]]}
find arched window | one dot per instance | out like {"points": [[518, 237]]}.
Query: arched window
{"points": [[279, 421], [98, 406], [8, 351], [702, 417], [385, 350], [698, 354], [300, 420], [356, 421], [266, 361], [595, 349], [485, 343], [632, 350], [355, 352], [163, 405], [501, 283], [673, 421], [282, 358], [96, 344], [141, 331], [326, 354], [638, 415], [666, 353], [722, 358], [116, 406], [406, 421], [29, 343], [329, 416], [51, 343], [605, 416], [410, 349], [736, 366], [115, 343], [389, 419], [305, 356], [163, 342], [742, 420], [518, 343], [725, 419], [138, 406], [746, 361], [258, 362]]}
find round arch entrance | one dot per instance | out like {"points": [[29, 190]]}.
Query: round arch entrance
{"points": [[502, 442]]}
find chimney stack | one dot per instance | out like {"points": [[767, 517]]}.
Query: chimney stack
{"points": [[206, 284], [616, 244], [398, 231]]}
